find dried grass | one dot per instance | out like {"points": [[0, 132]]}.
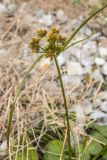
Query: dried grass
{"points": [[35, 104], [41, 90]]}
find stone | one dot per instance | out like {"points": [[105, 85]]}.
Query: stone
{"points": [[103, 52], [87, 61], [95, 25], [39, 13], [81, 118], [104, 69], [3, 8], [47, 20], [77, 22], [3, 53], [88, 31], [61, 60], [75, 80], [99, 116], [11, 8], [103, 41], [74, 68], [99, 61], [3, 148], [61, 16], [97, 103], [45, 63], [104, 106], [88, 108], [23, 8], [97, 75], [90, 48], [104, 30], [75, 53], [102, 95], [87, 69], [96, 36]]}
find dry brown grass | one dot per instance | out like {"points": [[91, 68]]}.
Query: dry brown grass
{"points": [[38, 102]]}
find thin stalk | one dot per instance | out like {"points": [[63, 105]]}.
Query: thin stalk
{"points": [[81, 40], [65, 105], [12, 107], [78, 29]]}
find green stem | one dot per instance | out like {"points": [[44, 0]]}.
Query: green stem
{"points": [[79, 28], [78, 42], [12, 107], [66, 108]]}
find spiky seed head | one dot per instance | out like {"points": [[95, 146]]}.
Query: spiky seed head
{"points": [[34, 45], [42, 33]]}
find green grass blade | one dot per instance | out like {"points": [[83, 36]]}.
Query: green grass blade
{"points": [[66, 108], [79, 28], [12, 107], [81, 40]]}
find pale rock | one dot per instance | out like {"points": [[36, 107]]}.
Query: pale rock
{"points": [[104, 69], [3, 8], [99, 116], [61, 17], [95, 25], [88, 31], [47, 20], [87, 60], [79, 110], [77, 22], [45, 63], [96, 36], [61, 60], [88, 108], [74, 68], [87, 70], [3, 53], [104, 106], [11, 8], [90, 48], [3, 148], [104, 29], [99, 61], [75, 80], [1, 71], [26, 57], [97, 103], [51, 88], [103, 52], [103, 42], [79, 38], [97, 75], [102, 95], [75, 53], [66, 79], [23, 8], [39, 13]]}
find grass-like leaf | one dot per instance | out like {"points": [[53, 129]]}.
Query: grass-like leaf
{"points": [[79, 28], [12, 107], [79, 41]]}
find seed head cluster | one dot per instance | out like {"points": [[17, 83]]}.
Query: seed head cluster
{"points": [[54, 41]]}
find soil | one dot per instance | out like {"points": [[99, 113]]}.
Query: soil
{"points": [[69, 8]]}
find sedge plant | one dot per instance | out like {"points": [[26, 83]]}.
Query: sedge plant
{"points": [[55, 45]]}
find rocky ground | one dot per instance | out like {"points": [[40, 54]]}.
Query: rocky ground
{"points": [[84, 66]]}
